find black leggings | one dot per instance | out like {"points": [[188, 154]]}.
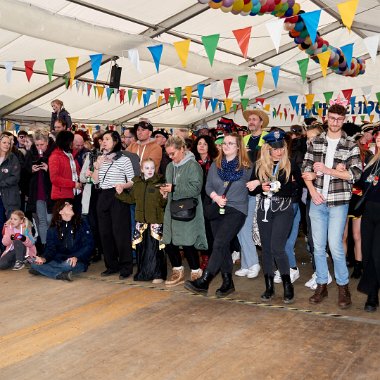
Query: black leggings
{"points": [[175, 258]]}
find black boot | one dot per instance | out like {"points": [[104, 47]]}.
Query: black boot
{"points": [[288, 288], [269, 288], [357, 272], [227, 286], [200, 285], [372, 302]]}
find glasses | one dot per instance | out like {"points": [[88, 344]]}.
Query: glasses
{"points": [[336, 119], [228, 143]]}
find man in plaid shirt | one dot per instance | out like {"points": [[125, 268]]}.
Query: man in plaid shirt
{"points": [[331, 165]]}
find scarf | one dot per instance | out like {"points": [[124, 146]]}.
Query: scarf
{"points": [[74, 174], [228, 172], [205, 164]]}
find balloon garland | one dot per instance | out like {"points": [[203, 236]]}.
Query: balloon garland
{"points": [[291, 11]]}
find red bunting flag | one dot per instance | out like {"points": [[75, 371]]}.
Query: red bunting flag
{"points": [[278, 109], [29, 69], [347, 93], [243, 37], [122, 94], [285, 113], [353, 118], [89, 87], [207, 102], [227, 86], [167, 94], [260, 100], [291, 117], [185, 103]]}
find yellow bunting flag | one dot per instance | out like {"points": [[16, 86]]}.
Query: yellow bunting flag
{"points": [[347, 12], [8, 126], [309, 101], [159, 100], [371, 117], [228, 105], [188, 92], [73, 63], [260, 75], [100, 91], [267, 108], [194, 102], [320, 112], [139, 95], [324, 61], [182, 49], [280, 115]]}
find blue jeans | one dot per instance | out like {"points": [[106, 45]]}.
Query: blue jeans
{"points": [[327, 224], [292, 238], [53, 268], [248, 254]]}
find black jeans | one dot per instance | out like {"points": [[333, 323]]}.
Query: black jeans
{"points": [[274, 235], [370, 230], [224, 228], [114, 221], [175, 258]]}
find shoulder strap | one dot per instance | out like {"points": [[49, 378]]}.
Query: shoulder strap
{"points": [[227, 188]]}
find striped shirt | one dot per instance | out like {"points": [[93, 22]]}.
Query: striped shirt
{"points": [[115, 172], [347, 152]]}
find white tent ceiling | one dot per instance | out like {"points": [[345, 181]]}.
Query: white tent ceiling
{"points": [[41, 29]]}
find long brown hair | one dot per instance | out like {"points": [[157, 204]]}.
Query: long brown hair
{"points": [[242, 154], [264, 165], [56, 220]]}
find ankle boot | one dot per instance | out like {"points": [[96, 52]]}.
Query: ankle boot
{"points": [[372, 302], [357, 272], [227, 286], [269, 288], [319, 294], [288, 288], [344, 296], [200, 285]]}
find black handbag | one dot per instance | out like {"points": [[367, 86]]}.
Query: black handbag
{"points": [[210, 208], [183, 210]]}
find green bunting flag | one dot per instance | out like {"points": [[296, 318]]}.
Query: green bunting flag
{"points": [[130, 93], [67, 82], [328, 95], [235, 107], [210, 43], [244, 103], [242, 79], [49, 63], [378, 97], [303, 65], [171, 101], [178, 94]]}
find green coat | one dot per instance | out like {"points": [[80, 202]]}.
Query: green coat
{"points": [[150, 205], [188, 179]]}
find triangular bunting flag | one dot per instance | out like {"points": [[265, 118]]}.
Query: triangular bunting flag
{"points": [[159, 101], [293, 100], [244, 103], [67, 82], [171, 101], [371, 117], [178, 94], [303, 64], [156, 52], [291, 117], [185, 103], [227, 105], [157, 93], [73, 63], [100, 91], [347, 12], [89, 87], [354, 118], [8, 68], [227, 86], [275, 29], [200, 89], [139, 95], [96, 61], [134, 57], [243, 37], [347, 93], [362, 117], [275, 74], [267, 108], [260, 100], [353, 102], [29, 69], [214, 103], [309, 101], [371, 44], [378, 97], [311, 20], [188, 92], [324, 61], [49, 63], [347, 51], [134, 97], [242, 79], [207, 102], [146, 97], [235, 107], [260, 75], [210, 43], [328, 95], [130, 93], [122, 95], [182, 49], [109, 92], [166, 94]]}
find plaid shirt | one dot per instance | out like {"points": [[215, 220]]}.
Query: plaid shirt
{"points": [[347, 153]]}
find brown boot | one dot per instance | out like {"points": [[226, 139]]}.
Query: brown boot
{"points": [[344, 297], [177, 277], [319, 294]]}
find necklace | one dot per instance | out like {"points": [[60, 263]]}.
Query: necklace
{"points": [[373, 177]]}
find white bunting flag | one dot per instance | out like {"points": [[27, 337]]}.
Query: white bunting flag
{"points": [[133, 55], [275, 29], [371, 44], [8, 67]]}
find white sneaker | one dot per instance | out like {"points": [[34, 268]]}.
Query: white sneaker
{"points": [[312, 281], [329, 281], [235, 256], [277, 277], [294, 274], [253, 271], [242, 272]]}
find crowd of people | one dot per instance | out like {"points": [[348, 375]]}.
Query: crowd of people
{"points": [[142, 196]]}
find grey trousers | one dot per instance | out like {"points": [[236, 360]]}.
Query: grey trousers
{"points": [[18, 253], [43, 220]]}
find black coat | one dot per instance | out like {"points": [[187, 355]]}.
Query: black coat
{"points": [[10, 170], [63, 115], [31, 157]]}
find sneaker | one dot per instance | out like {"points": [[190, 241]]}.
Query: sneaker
{"points": [[277, 277], [195, 274], [177, 277], [157, 281], [65, 276], [329, 281], [312, 281], [294, 274], [242, 272], [18, 265], [253, 271], [235, 256]]}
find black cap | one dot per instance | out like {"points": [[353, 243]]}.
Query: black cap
{"points": [[160, 132], [143, 124]]}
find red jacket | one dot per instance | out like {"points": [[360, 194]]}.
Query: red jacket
{"points": [[61, 176]]}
